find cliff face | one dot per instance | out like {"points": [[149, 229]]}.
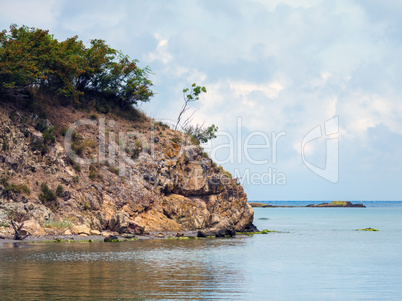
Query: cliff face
{"points": [[139, 176]]}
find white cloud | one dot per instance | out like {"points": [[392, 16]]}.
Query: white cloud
{"points": [[242, 88], [161, 53]]}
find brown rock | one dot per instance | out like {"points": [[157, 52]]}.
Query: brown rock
{"points": [[81, 229]]}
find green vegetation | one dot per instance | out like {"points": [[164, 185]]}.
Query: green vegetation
{"points": [[17, 188], [4, 224], [114, 170], [111, 239], [47, 195], [63, 224], [161, 124], [338, 203], [259, 232], [5, 146], [198, 134], [136, 152], [189, 95], [92, 172], [48, 135], [59, 190], [175, 139], [367, 229], [33, 58]]}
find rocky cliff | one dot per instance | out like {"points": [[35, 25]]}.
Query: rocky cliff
{"points": [[77, 172]]}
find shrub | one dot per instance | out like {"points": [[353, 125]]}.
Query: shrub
{"points": [[114, 170], [39, 146], [138, 144], [175, 139], [5, 146], [162, 125], [205, 155], [80, 144], [41, 125], [227, 174], [48, 135], [47, 195], [200, 134], [136, 153], [93, 174], [13, 115], [59, 190], [16, 188]]}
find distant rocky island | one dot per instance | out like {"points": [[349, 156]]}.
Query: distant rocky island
{"points": [[333, 204], [337, 204]]}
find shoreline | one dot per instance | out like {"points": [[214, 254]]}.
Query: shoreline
{"points": [[98, 238], [8, 242]]}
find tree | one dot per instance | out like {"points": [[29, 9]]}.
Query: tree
{"points": [[189, 95], [32, 58], [199, 134]]}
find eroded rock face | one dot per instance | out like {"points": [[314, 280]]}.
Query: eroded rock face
{"points": [[167, 187]]}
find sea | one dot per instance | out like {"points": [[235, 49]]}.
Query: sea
{"points": [[315, 254]]}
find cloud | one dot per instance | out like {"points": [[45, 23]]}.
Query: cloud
{"points": [[161, 53], [33, 13]]}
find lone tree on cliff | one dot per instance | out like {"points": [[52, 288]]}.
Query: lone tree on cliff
{"points": [[198, 133]]}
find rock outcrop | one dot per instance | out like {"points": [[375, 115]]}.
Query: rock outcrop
{"points": [[338, 204], [138, 176]]}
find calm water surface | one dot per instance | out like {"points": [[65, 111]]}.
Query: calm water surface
{"points": [[317, 255]]}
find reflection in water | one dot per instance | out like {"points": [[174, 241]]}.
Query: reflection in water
{"points": [[316, 255], [142, 269]]}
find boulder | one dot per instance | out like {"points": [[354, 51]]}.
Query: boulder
{"points": [[95, 232], [82, 229], [33, 228], [191, 213], [12, 162], [217, 232], [120, 222]]}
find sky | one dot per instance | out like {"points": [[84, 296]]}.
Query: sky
{"points": [[307, 95]]}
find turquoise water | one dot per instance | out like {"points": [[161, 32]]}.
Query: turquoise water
{"points": [[317, 255]]}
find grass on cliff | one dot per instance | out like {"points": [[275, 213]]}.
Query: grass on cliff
{"points": [[60, 225]]}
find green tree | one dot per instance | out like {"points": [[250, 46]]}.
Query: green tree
{"points": [[33, 58], [189, 95]]}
